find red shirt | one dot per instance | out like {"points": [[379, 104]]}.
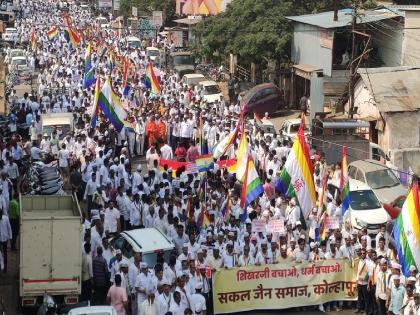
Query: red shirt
{"points": [[192, 154], [180, 153]]}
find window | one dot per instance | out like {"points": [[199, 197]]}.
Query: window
{"points": [[360, 177], [363, 200], [383, 178], [352, 172]]}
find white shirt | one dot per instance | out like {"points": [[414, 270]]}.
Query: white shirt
{"points": [[63, 158], [148, 308], [163, 302], [111, 220], [5, 229]]}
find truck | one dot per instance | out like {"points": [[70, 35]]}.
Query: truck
{"points": [[330, 135], [182, 62], [50, 249]]}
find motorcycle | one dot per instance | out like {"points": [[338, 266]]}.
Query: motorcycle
{"points": [[48, 307]]}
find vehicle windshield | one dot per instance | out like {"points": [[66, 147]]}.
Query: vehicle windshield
{"points": [[183, 60], [153, 53], [17, 54], [268, 129], [294, 128], [134, 44], [381, 179], [363, 200], [65, 129], [19, 62], [211, 89]]}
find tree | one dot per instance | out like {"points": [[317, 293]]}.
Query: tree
{"points": [[255, 30]]}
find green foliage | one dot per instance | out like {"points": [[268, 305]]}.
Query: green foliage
{"points": [[256, 30]]}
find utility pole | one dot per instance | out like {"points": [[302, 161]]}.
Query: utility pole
{"points": [[335, 6], [353, 64]]}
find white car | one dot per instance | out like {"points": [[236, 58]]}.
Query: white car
{"points": [[147, 241], [290, 128], [267, 127], [19, 63], [93, 310], [153, 53], [365, 208], [11, 35], [133, 42], [380, 178], [15, 53], [192, 79], [211, 91]]}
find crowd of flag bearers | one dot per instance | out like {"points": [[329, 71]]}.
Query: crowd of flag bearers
{"points": [[208, 174]]}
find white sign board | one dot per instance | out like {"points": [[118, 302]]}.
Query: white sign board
{"points": [[275, 226], [117, 4], [332, 223], [134, 11], [258, 226], [105, 3], [158, 18]]}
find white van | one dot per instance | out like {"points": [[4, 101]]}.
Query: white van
{"points": [[211, 91], [192, 79], [133, 42], [148, 241], [153, 53], [63, 122]]}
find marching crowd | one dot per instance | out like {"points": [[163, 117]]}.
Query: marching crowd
{"points": [[96, 163]]}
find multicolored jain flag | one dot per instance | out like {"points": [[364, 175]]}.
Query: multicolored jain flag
{"points": [[344, 183], [407, 231], [204, 162], [111, 106], [296, 178], [89, 74], [251, 187], [95, 108]]}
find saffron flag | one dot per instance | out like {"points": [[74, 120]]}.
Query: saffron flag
{"points": [[111, 106], [407, 231], [203, 219], [296, 178], [204, 162], [33, 40], [251, 187], [52, 33], [72, 34], [152, 79], [241, 159], [344, 183], [125, 73], [95, 108]]}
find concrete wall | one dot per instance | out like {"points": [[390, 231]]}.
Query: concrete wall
{"points": [[389, 41], [401, 131], [317, 95], [407, 159], [410, 44], [306, 48]]}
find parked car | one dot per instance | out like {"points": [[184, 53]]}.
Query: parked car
{"points": [[211, 91], [290, 128], [18, 63], [267, 127], [263, 98], [15, 53], [133, 42], [192, 79], [11, 35], [182, 62], [365, 209], [153, 53], [380, 178], [148, 241]]}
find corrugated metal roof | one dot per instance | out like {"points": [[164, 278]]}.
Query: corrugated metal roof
{"points": [[395, 89], [399, 9], [325, 19]]}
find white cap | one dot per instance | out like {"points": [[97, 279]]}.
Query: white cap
{"points": [[298, 223], [199, 285]]}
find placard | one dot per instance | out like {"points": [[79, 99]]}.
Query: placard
{"points": [[332, 223], [258, 226], [275, 226]]}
